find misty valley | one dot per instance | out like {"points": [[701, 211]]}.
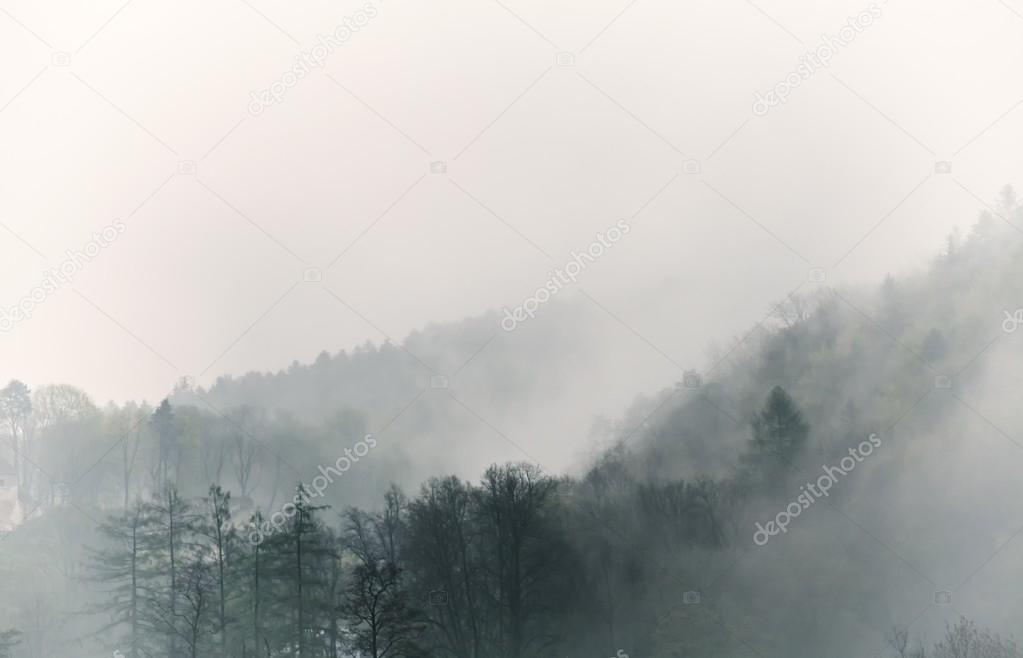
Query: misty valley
{"points": [[750, 511], [511, 329]]}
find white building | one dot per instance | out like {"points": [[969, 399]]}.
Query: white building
{"points": [[10, 509]]}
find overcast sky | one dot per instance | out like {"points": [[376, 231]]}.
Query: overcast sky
{"points": [[106, 105]]}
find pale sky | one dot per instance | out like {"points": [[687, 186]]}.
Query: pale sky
{"points": [[104, 106]]}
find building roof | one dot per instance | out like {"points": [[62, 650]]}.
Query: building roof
{"points": [[6, 468]]}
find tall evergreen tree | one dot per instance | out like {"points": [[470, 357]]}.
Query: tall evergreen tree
{"points": [[297, 552], [778, 436], [221, 537], [173, 539], [163, 425]]}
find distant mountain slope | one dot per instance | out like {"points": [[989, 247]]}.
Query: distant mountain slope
{"points": [[925, 529]]}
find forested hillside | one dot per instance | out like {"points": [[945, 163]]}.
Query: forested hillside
{"points": [[840, 481]]}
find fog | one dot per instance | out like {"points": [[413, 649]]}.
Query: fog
{"points": [[656, 264], [551, 154]]}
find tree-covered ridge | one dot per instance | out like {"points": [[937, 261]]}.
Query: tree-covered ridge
{"points": [[649, 551]]}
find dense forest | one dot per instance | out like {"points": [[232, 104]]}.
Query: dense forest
{"points": [[790, 498]]}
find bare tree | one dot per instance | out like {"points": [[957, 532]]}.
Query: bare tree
{"points": [[964, 640], [378, 607], [244, 447], [15, 411], [522, 558], [197, 590]]}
